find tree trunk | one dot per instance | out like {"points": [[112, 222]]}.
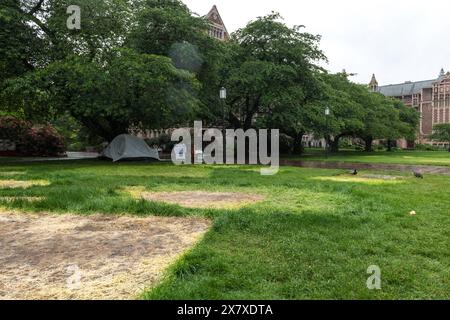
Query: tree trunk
{"points": [[389, 145], [334, 145], [298, 145], [368, 144]]}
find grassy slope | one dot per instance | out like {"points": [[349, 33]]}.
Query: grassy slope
{"points": [[436, 158], [313, 237]]}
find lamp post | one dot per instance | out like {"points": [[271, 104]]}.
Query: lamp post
{"points": [[327, 117], [223, 97]]}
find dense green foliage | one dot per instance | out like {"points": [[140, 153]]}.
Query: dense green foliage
{"points": [[170, 29], [274, 82], [90, 75], [150, 64], [270, 74], [357, 112], [19, 42], [126, 90], [441, 133]]}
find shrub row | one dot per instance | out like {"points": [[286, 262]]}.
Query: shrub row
{"points": [[42, 141]]}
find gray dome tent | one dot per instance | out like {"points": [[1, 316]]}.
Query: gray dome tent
{"points": [[127, 147]]}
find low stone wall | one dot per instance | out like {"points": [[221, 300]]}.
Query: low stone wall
{"points": [[7, 148], [7, 145]]}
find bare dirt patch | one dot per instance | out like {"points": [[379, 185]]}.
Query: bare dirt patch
{"points": [[382, 177], [22, 184], [12, 173], [363, 178], [43, 256], [201, 199], [28, 199]]}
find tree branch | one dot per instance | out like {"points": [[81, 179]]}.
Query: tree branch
{"points": [[41, 25], [36, 8]]}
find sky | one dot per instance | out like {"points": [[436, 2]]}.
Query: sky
{"points": [[398, 40]]}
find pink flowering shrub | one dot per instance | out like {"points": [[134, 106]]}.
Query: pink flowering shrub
{"points": [[44, 141], [13, 129]]}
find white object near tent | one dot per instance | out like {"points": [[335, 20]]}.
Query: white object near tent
{"points": [[180, 152], [127, 146]]}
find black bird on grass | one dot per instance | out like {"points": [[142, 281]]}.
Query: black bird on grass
{"points": [[354, 172], [418, 175]]}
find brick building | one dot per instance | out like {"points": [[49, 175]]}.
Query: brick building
{"points": [[217, 27], [430, 97]]}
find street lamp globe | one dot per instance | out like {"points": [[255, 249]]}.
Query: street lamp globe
{"points": [[223, 93]]}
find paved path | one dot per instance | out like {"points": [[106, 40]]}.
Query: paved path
{"points": [[442, 170], [70, 156], [367, 166]]}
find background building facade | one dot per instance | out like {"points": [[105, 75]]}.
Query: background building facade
{"points": [[217, 27], [430, 97]]}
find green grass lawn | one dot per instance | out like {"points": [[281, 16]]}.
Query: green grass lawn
{"points": [[313, 237], [435, 158]]}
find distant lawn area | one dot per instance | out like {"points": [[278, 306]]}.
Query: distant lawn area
{"points": [[313, 235], [435, 158]]}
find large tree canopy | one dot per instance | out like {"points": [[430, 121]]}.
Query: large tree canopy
{"points": [[170, 29], [104, 24], [161, 25], [90, 74], [127, 90], [359, 113], [20, 43], [346, 117], [151, 64], [270, 75]]}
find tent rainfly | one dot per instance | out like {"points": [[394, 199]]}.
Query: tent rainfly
{"points": [[127, 147]]}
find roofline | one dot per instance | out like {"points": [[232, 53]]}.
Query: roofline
{"points": [[401, 84], [223, 23]]}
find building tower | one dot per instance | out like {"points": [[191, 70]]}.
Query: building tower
{"points": [[442, 73], [217, 27], [373, 84]]}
